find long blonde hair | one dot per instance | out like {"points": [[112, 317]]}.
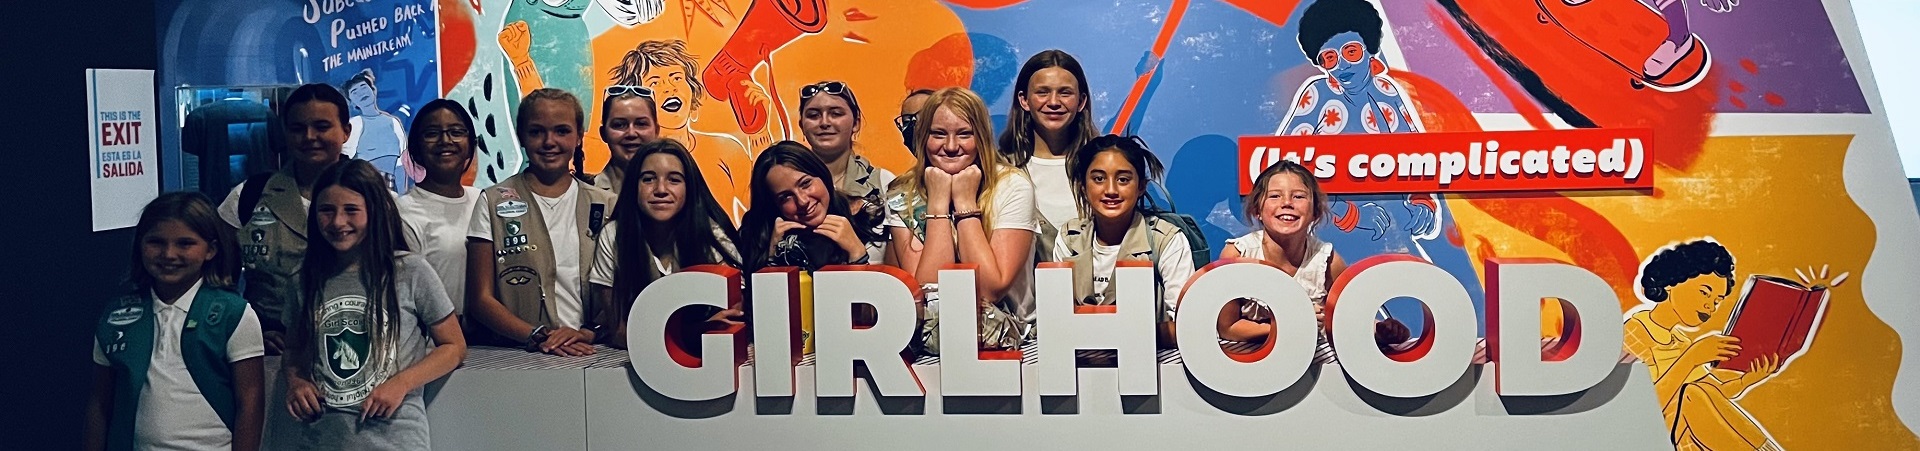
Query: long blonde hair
{"points": [[993, 166]]}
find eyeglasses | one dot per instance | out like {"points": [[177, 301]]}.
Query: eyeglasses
{"points": [[620, 90], [1352, 51], [451, 134], [829, 87]]}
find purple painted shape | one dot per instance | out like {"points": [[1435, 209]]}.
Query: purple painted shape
{"points": [[1795, 49], [1430, 54], [1791, 43]]}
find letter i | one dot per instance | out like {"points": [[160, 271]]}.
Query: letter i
{"points": [[1473, 159], [1493, 155]]}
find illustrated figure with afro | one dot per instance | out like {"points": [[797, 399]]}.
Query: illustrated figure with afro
{"points": [[1356, 93], [1682, 286]]}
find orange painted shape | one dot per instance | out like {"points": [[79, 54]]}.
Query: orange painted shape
{"points": [[1592, 241], [1272, 11], [1568, 69], [456, 43], [1160, 43], [1625, 32], [986, 4]]}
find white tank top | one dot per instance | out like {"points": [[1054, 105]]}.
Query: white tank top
{"points": [[1312, 274]]}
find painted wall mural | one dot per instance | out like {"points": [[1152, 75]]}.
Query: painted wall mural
{"points": [[1774, 195]]}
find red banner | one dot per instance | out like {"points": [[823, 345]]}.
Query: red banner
{"points": [[1534, 160]]}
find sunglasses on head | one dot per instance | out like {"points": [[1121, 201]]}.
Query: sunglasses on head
{"points": [[905, 123], [1130, 143], [1352, 51], [620, 90], [829, 87]]}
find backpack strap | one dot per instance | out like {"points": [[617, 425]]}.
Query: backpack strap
{"points": [[250, 193]]}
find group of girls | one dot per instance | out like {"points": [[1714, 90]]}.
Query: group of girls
{"points": [[358, 297]]}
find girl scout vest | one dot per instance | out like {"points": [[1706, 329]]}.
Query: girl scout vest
{"points": [[524, 266], [273, 240], [125, 333], [1140, 243]]}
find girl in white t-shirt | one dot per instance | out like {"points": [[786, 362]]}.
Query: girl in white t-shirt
{"points": [[1287, 202], [178, 360], [1112, 175], [1051, 117], [963, 204], [438, 209], [667, 220]]}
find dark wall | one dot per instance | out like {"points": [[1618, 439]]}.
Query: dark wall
{"points": [[58, 272]]}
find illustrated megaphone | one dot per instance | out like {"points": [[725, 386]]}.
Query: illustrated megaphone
{"points": [[768, 25]]}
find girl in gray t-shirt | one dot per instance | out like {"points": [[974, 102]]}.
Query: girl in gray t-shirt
{"points": [[357, 356]]}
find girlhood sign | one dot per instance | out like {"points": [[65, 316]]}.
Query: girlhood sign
{"points": [[1206, 395]]}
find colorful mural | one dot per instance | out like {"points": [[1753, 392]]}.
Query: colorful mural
{"points": [[383, 54], [1190, 76]]}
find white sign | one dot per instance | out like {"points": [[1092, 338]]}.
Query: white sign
{"points": [[122, 158], [1434, 363]]}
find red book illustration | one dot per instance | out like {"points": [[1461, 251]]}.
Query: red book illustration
{"points": [[1775, 316]]}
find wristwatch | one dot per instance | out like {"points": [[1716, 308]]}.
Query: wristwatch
{"points": [[599, 331], [538, 335]]}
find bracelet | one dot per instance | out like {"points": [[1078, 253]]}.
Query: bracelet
{"points": [[926, 217], [957, 217]]}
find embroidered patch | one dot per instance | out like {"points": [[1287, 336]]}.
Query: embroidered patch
{"points": [[125, 315], [510, 209], [513, 241], [897, 202], [519, 275], [513, 227], [119, 342], [262, 216], [214, 312]]}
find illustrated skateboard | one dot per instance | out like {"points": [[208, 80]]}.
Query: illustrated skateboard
{"points": [[1626, 32]]}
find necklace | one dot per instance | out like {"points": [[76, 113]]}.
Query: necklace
{"points": [[549, 205]]}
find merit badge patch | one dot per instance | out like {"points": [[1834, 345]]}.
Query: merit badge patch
{"points": [[510, 209]]}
